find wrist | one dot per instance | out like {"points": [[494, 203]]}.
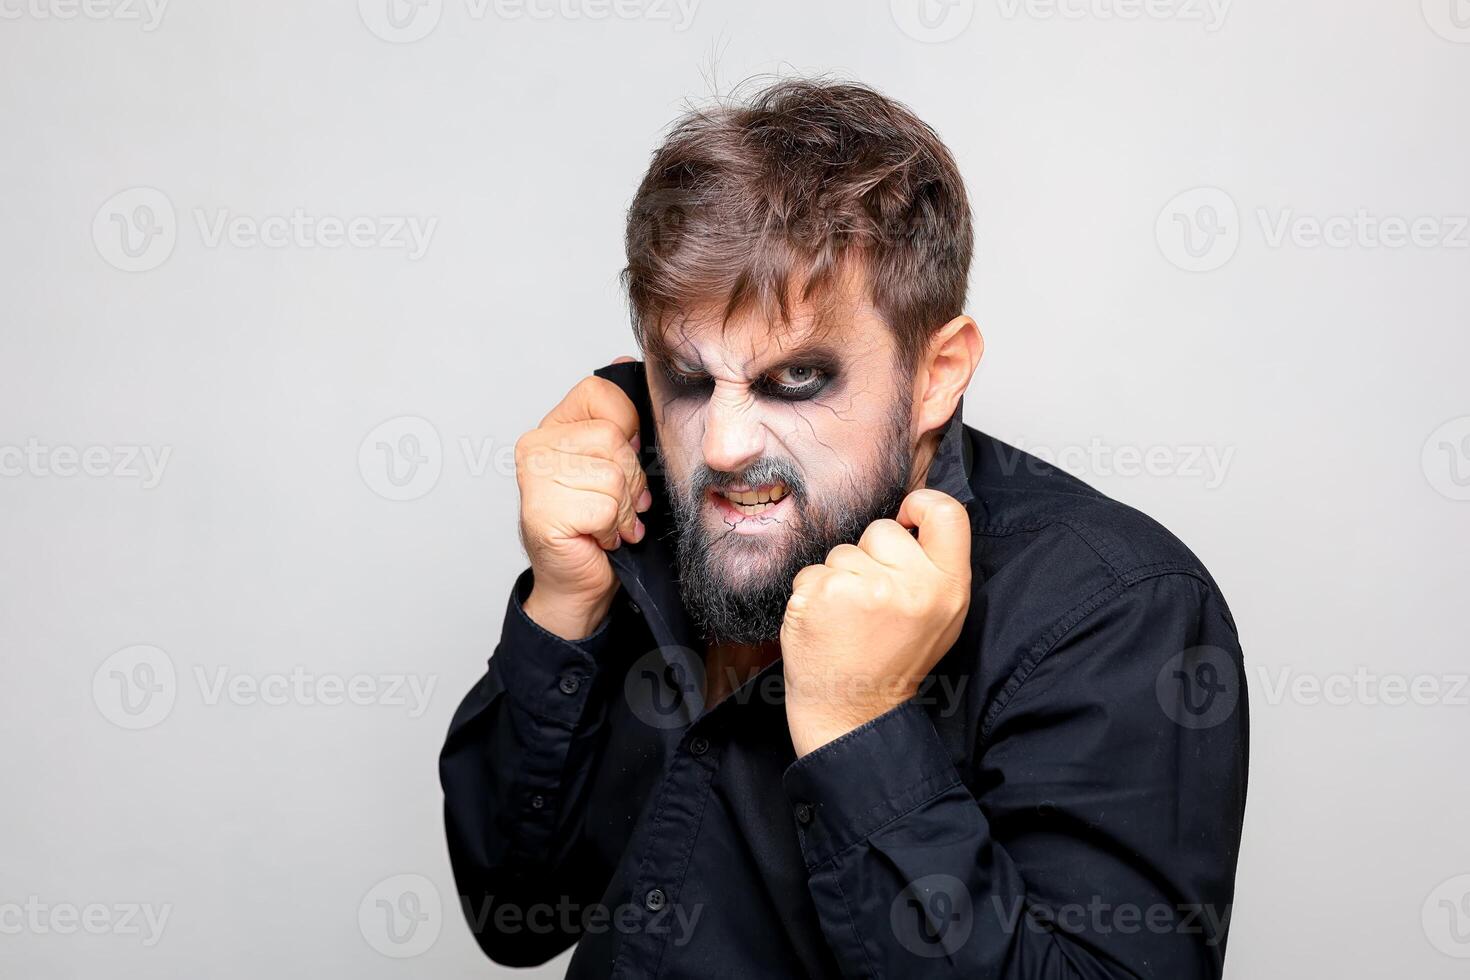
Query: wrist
{"points": [[812, 727], [571, 618]]}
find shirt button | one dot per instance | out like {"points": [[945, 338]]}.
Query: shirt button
{"points": [[569, 684], [699, 746], [803, 813], [537, 802], [634, 607], [654, 900]]}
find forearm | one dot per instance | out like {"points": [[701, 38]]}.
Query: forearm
{"points": [[1087, 832]]}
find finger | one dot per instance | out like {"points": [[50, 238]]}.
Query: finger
{"points": [[849, 558], [944, 528], [585, 512], [889, 544], [623, 359], [807, 579], [594, 474], [596, 398], [597, 437]]}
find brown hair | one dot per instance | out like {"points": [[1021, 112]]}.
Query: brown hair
{"points": [[779, 197]]}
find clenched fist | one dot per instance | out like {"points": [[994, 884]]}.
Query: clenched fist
{"points": [[582, 490], [864, 628]]}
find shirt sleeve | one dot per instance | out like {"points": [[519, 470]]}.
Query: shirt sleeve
{"points": [[514, 768], [1094, 834]]}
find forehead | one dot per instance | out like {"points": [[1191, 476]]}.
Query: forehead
{"points": [[751, 340]]}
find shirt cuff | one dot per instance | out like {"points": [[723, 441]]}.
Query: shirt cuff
{"points": [[543, 674], [850, 787]]}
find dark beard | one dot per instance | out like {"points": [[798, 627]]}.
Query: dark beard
{"points": [[752, 612]]}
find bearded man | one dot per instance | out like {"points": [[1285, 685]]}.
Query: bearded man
{"points": [[807, 677]]}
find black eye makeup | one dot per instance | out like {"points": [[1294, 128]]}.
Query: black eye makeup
{"points": [[686, 382], [793, 382]]}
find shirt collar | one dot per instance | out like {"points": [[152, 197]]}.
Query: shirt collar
{"points": [[647, 569], [954, 460]]}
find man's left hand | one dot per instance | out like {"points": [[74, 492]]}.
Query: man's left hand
{"points": [[864, 628]]}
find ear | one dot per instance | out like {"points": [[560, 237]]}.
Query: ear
{"points": [[944, 372]]}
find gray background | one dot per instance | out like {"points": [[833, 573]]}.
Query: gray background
{"points": [[1327, 380]]}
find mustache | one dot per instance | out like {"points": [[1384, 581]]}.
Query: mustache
{"points": [[768, 469]]}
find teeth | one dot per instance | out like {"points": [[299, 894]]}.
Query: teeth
{"points": [[755, 501]]}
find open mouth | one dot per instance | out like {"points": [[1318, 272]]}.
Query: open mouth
{"points": [[752, 505]]}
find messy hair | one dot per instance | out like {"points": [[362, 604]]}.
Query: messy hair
{"points": [[761, 203]]}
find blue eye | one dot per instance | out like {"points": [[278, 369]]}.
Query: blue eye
{"points": [[794, 382]]}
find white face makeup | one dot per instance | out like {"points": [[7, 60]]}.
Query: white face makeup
{"points": [[777, 444]]}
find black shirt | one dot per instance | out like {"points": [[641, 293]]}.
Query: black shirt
{"points": [[1062, 799]]}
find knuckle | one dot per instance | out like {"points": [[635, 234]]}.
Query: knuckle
{"points": [[606, 433]]}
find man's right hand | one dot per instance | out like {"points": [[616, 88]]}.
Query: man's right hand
{"points": [[582, 489]]}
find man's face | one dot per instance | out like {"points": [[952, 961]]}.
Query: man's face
{"points": [[777, 444]]}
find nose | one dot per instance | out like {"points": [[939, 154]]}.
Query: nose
{"points": [[733, 435]]}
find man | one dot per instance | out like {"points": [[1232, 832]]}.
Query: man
{"points": [[806, 677]]}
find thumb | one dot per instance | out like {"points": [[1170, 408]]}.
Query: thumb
{"points": [[944, 529]]}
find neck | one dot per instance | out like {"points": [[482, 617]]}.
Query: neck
{"points": [[729, 665], [924, 458]]}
